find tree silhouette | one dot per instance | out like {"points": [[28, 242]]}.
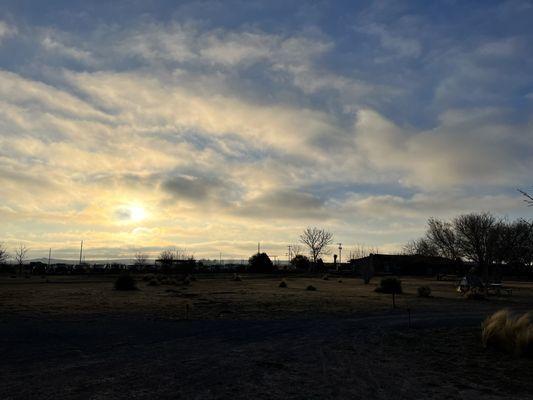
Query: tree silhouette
{"points": [[317, 240], [4, 255], [260, 262], [140, 259], [528, 197], [20, 256]]}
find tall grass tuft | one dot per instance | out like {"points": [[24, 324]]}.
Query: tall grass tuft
{"points": [[508, 332]]}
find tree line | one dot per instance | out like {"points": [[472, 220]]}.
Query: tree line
{"points": [[482, 238]]}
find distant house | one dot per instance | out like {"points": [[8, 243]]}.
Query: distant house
{"points": [[388, 264]]}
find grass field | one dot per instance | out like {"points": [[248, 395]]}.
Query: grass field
{"points": [[255, 297], [78, 338]]}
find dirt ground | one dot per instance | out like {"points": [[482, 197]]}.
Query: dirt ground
{"points": [[77, 338]]}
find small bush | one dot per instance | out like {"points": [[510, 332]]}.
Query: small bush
{"points": [[154, 282], [125, 282], [186, 281], [148, 277], [326, 277], [311, 288], [510, 333], [389, 286], [340, 281], [283, 284], [236, 278], [424, 291]]}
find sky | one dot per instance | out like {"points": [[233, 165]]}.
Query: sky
{"points": [[214, 125]]}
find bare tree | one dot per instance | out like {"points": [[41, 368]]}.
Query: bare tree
{"points": [[362, 251], [422, 247], [477, 235], [141, 259], [317, 240], [4, 255], [528, 197], [20, 256], [296, 250], [166, 256], [514, 242], [442, 236], [183, 254]]}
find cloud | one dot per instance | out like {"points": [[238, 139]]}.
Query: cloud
{"points": [[283, 204], [7, 31], [466, 149], [220, 125]]}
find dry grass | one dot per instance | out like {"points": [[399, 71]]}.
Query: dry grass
{"points": [[255, 297], [509, 332]]}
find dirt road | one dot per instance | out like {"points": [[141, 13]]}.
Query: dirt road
{"points": [[367, 356]]}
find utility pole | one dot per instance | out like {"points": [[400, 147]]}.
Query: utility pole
{"points": [[49, 257], [340, 253], [220, 259], [81, 250], [258, 247], [290, 254]]}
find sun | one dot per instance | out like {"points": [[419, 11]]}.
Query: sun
{"points": [[137, 213]]}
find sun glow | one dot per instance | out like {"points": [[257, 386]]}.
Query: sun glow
{"points": [[137, 213], [129, 213]]}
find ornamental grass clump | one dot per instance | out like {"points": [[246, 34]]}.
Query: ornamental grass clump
{"points": [[509, 332]]}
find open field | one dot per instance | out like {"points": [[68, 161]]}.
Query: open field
{"points": [[77, 338], [255, 297]]}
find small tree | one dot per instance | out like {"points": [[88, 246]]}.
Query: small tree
{"points": [[296, 250], [317, 240], [260, 262], [300, 262], [4, 255], [477, 235], [141, 260], [166, 258], [20, 256]]}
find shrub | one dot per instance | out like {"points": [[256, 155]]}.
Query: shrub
{"points": [[301, 262], [424, 291], [236, 278], [340, 281], [260, 262], [148, 277], [311, 288], [283, 284], [390, 285], [153, 282], [326, 277], [510, 333], [125, 282]]}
